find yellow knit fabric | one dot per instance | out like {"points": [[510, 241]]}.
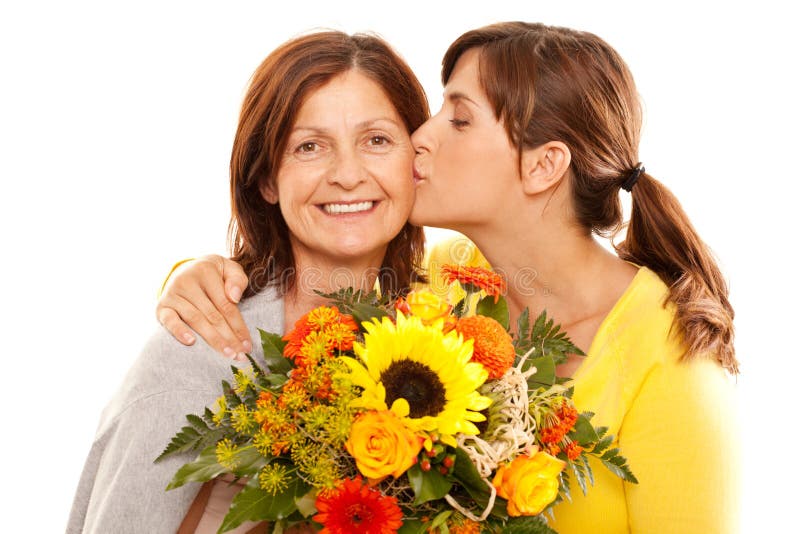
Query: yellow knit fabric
{"points": [[675, 422]]}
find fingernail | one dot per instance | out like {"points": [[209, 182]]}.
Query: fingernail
{"points": [[240, 357], [247, 345], [236, 294], [229, 352], [188, 338]]}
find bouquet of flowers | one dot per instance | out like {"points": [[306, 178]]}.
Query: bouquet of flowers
{"points": [[411, 416]]}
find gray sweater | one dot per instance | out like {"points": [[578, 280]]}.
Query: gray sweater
{"points": [[121, 490]]}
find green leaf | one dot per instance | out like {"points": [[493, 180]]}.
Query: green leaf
{"points": [[249, 461], [413, 526], [585, 461], [497, 311], [528, 525], [545, 337], [583, 432], [602, 445], [364, 313], [256, 504], [427, 485], [466, 474], [545, 375], [191, 438], [203, 469], [618, 465], [273, 353], [577, 471]]}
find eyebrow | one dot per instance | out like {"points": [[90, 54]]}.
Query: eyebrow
{"points": [[360, 126], [458, 95]]}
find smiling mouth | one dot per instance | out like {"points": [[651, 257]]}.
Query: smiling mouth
{"points": [[354, 207]]}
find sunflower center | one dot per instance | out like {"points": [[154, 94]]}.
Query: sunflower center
{"points": [[416, 383]]}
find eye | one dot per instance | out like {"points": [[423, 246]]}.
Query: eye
{"points": [[378, 140], [459, 124], [307, 147]]}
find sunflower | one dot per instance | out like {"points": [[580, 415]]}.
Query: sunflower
{"points": [[422, 374]]}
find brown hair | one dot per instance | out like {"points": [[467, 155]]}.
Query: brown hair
{"points": [[556, 84], [257, 234]]}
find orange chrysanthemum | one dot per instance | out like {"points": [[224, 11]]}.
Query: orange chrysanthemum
{"points": [[338, 328], [492, 344], [355, 508], [481, 279], [563, 422], [573, 450]]}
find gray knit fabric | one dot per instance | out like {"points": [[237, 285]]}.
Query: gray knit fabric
{"points": [[121, 490]]}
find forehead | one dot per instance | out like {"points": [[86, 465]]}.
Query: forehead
{"points": [[350, 96], [465, 77]]}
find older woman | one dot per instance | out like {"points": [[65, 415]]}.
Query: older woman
{"points": [[321, 186], [537, 137]]}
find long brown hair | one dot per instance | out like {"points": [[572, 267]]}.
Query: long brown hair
{"points": [[557, 84], [258, 236]]}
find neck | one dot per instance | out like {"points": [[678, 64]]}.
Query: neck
{"points": [[557, 269], [320, 275]]}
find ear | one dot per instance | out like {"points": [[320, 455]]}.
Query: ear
{"points": [[543, 167], [269, 191]]}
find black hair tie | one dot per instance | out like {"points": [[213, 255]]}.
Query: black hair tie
{"points": [[633, 177]]}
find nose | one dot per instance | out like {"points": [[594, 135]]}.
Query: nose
{"points": [[421, 139], [348, 169]]}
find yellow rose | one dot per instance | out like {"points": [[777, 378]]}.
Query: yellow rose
{"points": [[529, 483], [381, 445], [427, 306]]}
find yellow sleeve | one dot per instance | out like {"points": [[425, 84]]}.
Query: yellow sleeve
{"points": [[169, 274], [456, 250], [681, 439]]}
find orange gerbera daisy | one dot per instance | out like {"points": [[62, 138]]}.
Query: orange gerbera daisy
{"points": [[492, 344], [355, 508], [479, 278]]}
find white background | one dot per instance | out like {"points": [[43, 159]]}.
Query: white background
{"points": [[116, 122]]}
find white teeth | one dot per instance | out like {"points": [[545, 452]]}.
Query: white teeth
{"points": [[347, 208]]}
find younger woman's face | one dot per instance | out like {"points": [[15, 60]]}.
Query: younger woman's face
{"points": [[465, 163]]}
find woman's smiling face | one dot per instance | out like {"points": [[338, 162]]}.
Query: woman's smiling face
{"points": [[344, 183], [465, 162]]}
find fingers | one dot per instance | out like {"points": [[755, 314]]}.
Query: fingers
{"points": [[234, 278], [173, 323], [196, 298]]}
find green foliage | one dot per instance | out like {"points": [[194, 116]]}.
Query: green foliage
{"points": [[203, 469], [528, 525], [545, 375], [273, 346], [617, 464], [256, 504], [583, 432], [543, 338], [194, 437], [496, 310], [362, 305], [427, 485]]}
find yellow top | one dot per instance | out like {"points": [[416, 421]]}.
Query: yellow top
{"points": [[675, 423]]}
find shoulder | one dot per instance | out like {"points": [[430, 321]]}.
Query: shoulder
{"points": [[166, 368]]}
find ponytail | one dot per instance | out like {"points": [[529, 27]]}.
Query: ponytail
{"points": [[661, 238], [548, 83]]}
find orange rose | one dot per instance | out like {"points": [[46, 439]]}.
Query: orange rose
{"points": [[529, 483], [381, 445], [427, 306]]}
